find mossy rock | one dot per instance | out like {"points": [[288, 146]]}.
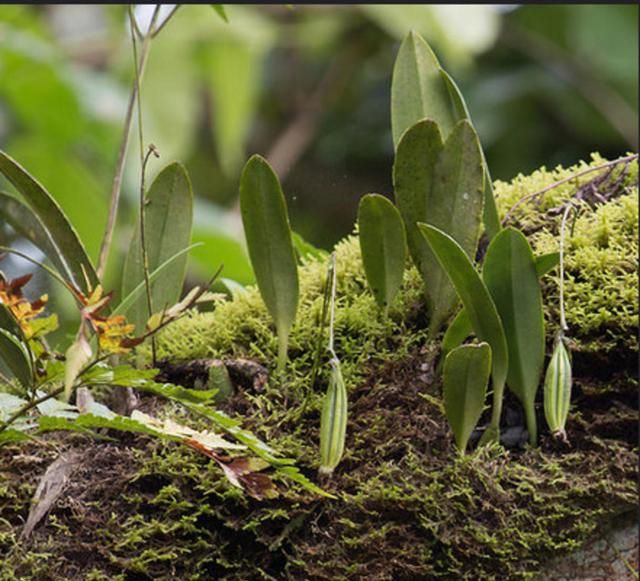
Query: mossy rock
{"points": [[408, 506]]}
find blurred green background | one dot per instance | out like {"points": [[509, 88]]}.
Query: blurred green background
{"points": [[307, 87]]}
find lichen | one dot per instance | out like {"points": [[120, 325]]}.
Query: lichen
{"points": [[408, 506]]}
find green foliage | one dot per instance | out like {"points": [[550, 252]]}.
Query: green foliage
{"points": [[266, 224], [460, 328], [481, 311], [70, 248], [509, 271], [16, 355], [465, 377], [383, 247], [168, 211], [439, 183], [601, 283], [333, 420], [557, 389], [420, 89]]}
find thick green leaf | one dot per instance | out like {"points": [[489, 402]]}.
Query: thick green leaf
{"points": [[27, 223], [61, 231], [460, 328], [466, 373], [439, 184], [509, 272], [15, 355], [418, 90], [266, 226], [481, 311], [383, 247], [168, 219]]}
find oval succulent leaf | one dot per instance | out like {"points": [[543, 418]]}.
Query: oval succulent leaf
{"points": [[54, 220], [382, 245], [266, 226], [440, 184], [333, 421], [168, 219], [557, 389], [418, 90], [510, 275], [481, 311], [15, 355], [466, 373]]}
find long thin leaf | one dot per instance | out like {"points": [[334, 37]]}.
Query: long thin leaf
{"points": [[125, 304], [509, 272], [466, 374], [383, 247], [15, 355], [481, 311], [53, 218], [168, 220], [266, 226], [27, 223], [440, 184]]}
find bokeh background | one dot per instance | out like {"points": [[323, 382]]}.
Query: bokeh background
{"points": [[307, 87]]}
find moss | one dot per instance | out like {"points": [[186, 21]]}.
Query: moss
{"points": [[408, 507]]}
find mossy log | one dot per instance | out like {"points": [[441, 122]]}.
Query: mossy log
{"points": [[408, 506]]}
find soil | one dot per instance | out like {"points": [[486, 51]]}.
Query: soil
{"points": [[396, 438]]}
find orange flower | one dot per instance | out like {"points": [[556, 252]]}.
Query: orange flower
{"points": [[22, 309], [111, 333]]}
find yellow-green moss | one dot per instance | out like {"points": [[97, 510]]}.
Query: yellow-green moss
{"points": [[601, 288], [408, 506]]}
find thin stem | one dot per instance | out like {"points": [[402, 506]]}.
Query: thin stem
{"points": [[332, 311], [29, 406], [116, 185], [543, 191], [143, 245], [563, 321], [156, 32]]}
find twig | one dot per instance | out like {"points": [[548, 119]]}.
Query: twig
{"points": [[156, 32], [124, 145], [29, 406], [543, 191]]}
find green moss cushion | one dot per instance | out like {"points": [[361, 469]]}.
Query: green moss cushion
{"points": [[408, 506]]}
